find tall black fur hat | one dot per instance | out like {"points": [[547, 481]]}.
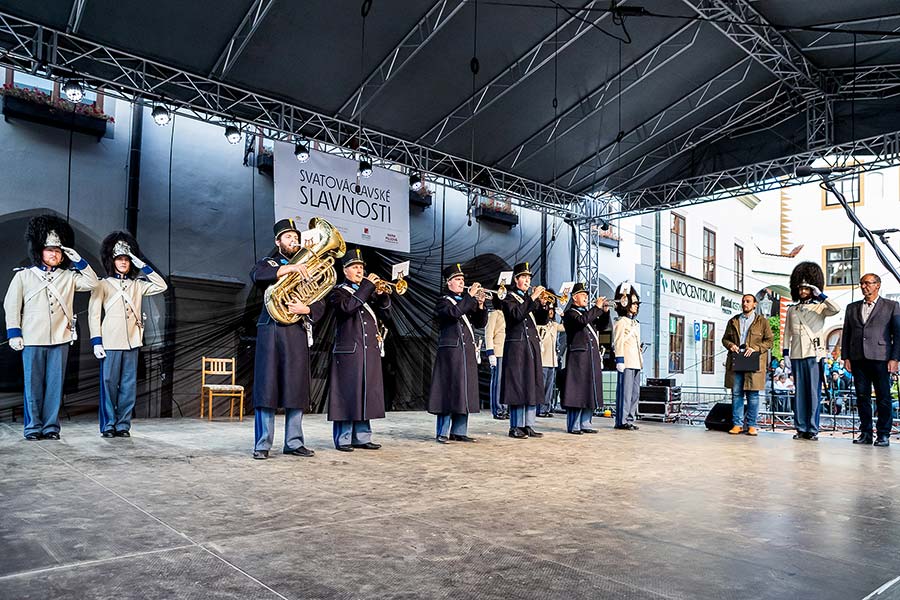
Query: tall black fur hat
{"points": [[806, 274], [626, 295], [119, 243], [45, 231]]}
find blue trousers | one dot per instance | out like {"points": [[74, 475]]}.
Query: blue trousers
{"points": [[549, 386], [738, 393], [351, 433], [496, 407], [628, 391], [118, 388], [264, 428], [45, 370], [808, 394], [455, 423], [578, 418], [522, 416]]}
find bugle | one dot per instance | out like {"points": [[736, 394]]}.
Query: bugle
{"points": [[500, 292], [386, 287], [547, 297]]}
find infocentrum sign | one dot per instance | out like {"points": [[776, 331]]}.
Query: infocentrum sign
{"points": [[681, 286]]}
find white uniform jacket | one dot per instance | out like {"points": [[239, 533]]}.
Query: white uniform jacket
{"points": [[627, 342], [114, 313], [495, 334], [803, 325]]}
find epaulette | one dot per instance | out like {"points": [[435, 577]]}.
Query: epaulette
{"points": [[15, 269]]}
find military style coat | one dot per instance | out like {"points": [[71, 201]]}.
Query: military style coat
{"points": [[357, 383], [281, 368], [454, 381], [583, 376], [759, 339], [114, 312], [803, 326], [627, 342], [522, 379], [39, 303]]}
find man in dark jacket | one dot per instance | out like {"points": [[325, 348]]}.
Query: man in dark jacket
{"points": [[522, 380], [583, 388], [454, 382], [870, 347], [281, 369], [357, 384]]}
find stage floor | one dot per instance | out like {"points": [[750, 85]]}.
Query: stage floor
{"points": [[180, 510]]}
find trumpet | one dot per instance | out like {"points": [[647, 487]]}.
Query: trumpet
{"points": [[547, 297], [500, 292], [386, 287]]}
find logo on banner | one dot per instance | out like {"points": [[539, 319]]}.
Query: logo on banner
{"points": [[365, 234]]}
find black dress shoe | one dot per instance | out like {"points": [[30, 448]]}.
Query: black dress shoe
{"points": [[443, 439], [864, 438], [368, 446], [123, 434], [576, 432], [344, 448], [461, 438], [625, 427], [33, 437], [812, 437], [260, 454], [301, 451], [633, 427], [532, 433], [51, 436], [500, 417], [882, 441], [108, 434], [800, 435], [583, 430], [518, 433]]}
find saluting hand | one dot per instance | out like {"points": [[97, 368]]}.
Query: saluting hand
{"points": [[136, 261], [73, 256]]}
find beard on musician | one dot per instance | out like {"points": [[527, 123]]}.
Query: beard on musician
{"points": [[288, 243]]}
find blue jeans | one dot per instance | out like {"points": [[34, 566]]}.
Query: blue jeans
{"points": [[549, 385], [264, 428], [453, 423], [496, 408], [118, 387], [578, 419], [351, 433], [522, 416], [738, 393], [45, 370]]}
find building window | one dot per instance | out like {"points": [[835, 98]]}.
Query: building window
{"points": [[852, 189], [738, 268], [708, 338], [842, 266], [677, 243], [676, 344], [709, 255]]}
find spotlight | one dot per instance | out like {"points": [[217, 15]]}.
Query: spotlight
{"points": [[161, 115], [301, 151], [365, 168], [604, 224], [415, 182], [73, 90], [232, 134]]}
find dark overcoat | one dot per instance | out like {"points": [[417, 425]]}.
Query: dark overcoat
{"points": [[454, 381], [357, 384], [522, 378], [583, 380], [281, 367]]}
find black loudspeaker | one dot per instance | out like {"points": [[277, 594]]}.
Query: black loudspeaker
{"points": [[669, 382], [719, 417]]}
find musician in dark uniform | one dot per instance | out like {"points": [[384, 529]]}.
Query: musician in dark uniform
{"points": [[357, 386], [522, 380], [583, 387], [281, 371], [454, 382]]}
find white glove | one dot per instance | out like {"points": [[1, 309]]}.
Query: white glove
{"points": [[73, 256], [136, 261], [816, 292], [493, 360], [99, 352], [620, 367], [17, 344], [787, 362]]}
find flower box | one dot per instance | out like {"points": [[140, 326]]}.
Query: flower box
{"points": [[45, 114], [496, 216], [607, 242], [265, 163]]}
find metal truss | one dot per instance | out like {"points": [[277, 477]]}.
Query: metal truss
{"points": [[872, 153], [587, 266], [421, 33], [602, 96], [26, 46], [819, 43], [75, 16], [241, 37], [529, 63]]}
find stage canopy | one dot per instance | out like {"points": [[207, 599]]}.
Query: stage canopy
{"points": [[657, 103]]}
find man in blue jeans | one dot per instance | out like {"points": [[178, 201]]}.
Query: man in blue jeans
{"points": [[745, 334]]}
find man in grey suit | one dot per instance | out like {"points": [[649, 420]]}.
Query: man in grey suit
{"points": [[870, 345]]}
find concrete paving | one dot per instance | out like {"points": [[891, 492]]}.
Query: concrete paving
{"points": [[180, 510]]}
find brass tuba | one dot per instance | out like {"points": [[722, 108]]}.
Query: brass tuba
{"points": [[319, 260]]}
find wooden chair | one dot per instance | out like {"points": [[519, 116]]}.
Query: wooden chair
{"points": [[220, 367]]}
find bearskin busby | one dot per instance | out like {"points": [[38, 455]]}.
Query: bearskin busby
{"points": [[48, 230], [119, 243], [626, 295], [806, 274]]}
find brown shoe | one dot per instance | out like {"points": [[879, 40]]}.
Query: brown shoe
{"points": [[752, 431], [736, 430]]}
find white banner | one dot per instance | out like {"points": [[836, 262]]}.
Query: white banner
{"points": [[325, 186]]}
